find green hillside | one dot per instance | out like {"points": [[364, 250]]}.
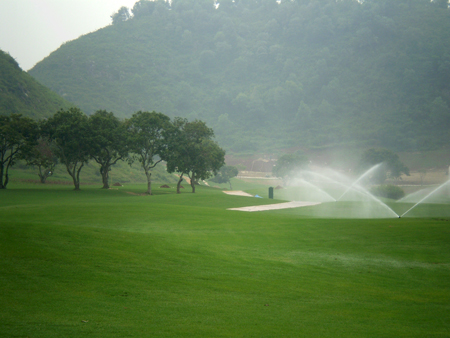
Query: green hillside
{"points": [[265, 75], [22, 94]]}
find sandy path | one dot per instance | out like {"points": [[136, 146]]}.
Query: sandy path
{"points": [[277, 206], [237, 193]]}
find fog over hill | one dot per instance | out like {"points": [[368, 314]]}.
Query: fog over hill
{"points": [[267, 74]]}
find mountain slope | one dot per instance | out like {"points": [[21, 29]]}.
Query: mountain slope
{"points": [[22, 94], [299, 73]]}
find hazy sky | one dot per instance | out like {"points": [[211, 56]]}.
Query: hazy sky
{"points": [[32, 29]]}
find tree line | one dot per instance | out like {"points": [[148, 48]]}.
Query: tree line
{"points": [[73, 138]]}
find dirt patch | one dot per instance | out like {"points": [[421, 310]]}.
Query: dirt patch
{"points": [[433, 176], [135, 194], [164, 186]]}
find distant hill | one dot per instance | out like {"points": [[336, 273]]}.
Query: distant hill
{"points": [[269, 74], [22, 94]]}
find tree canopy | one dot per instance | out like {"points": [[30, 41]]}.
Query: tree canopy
{"points": [[107, 142], [192, 152], [148, 140], [288, 165], [43, 157], [69, 132], [225, 174], [18, 134], [390, 164]]}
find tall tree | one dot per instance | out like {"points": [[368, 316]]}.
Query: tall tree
{"points": [[108, 142], [391, 166], [17, 135], [68, 131], [225, 174], [148, 140], [177, 150], [288, 164], [43, 157], [123, 14], [192, 152]]}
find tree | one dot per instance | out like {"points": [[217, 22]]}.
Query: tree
{"points": [[43, 157], [226, 173], [17, 135], [123, 14], [192, 152], [69, 133], [391, 166], [176, 158], [288, 164], [422, 174], [441, 3], [108, 142], [148, 140]]}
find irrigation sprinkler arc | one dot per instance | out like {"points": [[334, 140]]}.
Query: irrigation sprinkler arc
{"points": [[320, 190], [423, 199], [358, 188], [360, 178]]}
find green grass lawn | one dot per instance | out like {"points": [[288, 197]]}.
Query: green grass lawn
{"points": [[106, 263]]}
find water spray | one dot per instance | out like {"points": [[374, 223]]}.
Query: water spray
{"points": [[423, 199], [359, 179]]}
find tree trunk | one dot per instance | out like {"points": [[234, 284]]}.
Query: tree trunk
{"points": [[78, 176], [76, 183], [193, 184], [149, 182], [6, 180], [41, 176], [105, 177], [1, 177], [179, 183], [75, 174], [5, 172], [44, 175]]}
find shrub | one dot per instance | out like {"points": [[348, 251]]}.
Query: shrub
{"points": [[388, 191]]}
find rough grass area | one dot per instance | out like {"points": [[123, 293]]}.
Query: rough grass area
{"points": [[105, 263], [121, 172]]}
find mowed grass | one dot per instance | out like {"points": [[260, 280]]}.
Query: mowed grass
{"points": [[106, 263]]}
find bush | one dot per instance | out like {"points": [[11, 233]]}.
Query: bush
{"points": [[388, 191]]}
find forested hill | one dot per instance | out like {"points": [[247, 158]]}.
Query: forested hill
{"points": [[22, 94], [297, 73]]}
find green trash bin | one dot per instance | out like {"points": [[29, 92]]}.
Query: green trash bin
{"points": [[271, 192]]}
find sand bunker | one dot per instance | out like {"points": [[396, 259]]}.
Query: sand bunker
{"points": [[277, 206], [238, 193]]}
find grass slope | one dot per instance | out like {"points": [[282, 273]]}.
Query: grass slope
{"points": [[98, 263], [22, 94]]}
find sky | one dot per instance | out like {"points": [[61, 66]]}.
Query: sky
{"points": [[31, 29]]}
